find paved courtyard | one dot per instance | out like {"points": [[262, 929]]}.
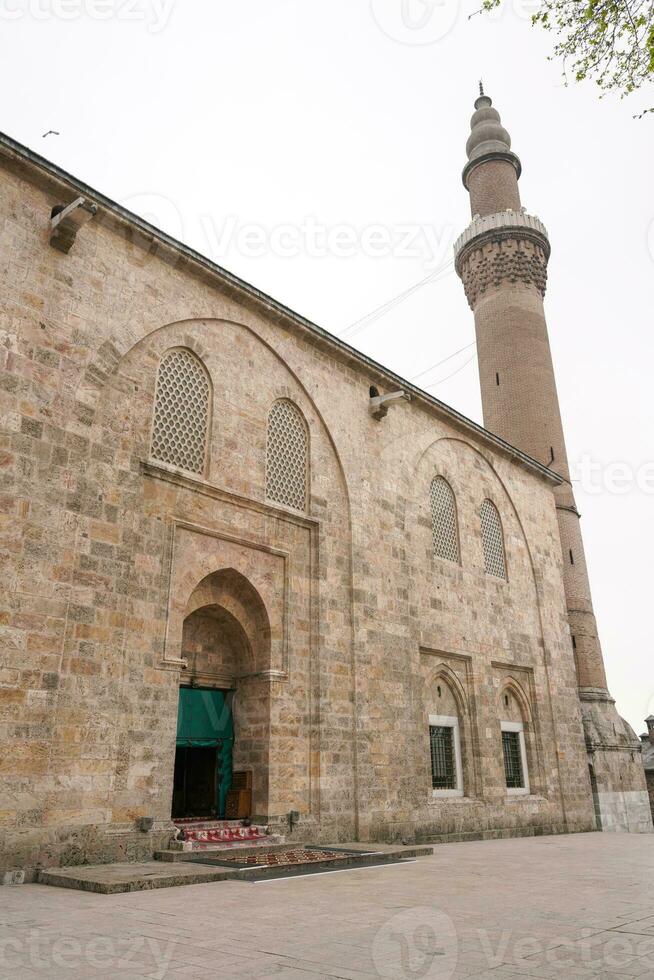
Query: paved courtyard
{"points": [[572, 907]]}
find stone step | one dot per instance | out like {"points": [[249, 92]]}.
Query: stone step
{"points": [[198, 823], [115, 878], [271, 843], [237, 845]]}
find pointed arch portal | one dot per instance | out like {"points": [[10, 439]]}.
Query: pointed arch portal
{"points": [[226, 637]]}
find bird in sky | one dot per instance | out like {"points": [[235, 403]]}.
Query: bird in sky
{"points": [[52, 132]]}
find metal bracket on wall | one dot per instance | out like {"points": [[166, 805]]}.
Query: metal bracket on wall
{"points": [[379, 404], [65, 222]]}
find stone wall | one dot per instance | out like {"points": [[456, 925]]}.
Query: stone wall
{"points": [[348, 621], [649, 777]]}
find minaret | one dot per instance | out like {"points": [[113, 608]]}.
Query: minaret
{"points": [[502, 258]]}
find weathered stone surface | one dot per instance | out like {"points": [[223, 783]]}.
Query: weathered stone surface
{"points": [[113, 879], [351, 632]]}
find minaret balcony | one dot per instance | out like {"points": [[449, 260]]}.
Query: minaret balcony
{"points": [[499, 226]]}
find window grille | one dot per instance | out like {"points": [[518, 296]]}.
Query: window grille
{"points": [[493, 540], [445, 534], [287, 453], [443, 768], [181, 411], [512, 760]]}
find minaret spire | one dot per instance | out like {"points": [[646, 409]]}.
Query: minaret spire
{"points": [[502, 259], [493, 169]]}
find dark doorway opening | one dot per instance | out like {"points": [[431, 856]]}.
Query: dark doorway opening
{"points": [[195, 786], [596, 801]]}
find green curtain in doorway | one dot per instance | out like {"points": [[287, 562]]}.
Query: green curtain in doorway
{"points": [[204, 719], [225, 773]]}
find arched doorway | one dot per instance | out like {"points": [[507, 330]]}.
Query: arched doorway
{"points": [[224, 704]]}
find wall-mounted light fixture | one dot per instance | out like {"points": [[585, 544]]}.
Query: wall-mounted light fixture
{"points": [[379, 404], [66, 221]]}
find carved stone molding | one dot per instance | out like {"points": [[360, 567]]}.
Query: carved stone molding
{"points": [[510, 246], [507, 257], [515, 221]]}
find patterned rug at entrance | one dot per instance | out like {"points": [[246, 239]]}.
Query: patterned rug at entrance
{"points": [[208, 832], [296, 855]]}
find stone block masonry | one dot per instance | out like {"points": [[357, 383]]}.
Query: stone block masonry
{"points": [[337, 628]]}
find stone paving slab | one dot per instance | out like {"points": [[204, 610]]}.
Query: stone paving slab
{"points": [[575, 908], [110, 879]]}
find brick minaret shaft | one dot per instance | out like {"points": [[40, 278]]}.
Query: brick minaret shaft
{"points": [[502, 259]]}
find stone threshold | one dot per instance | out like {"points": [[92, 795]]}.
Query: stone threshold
{"points": [[243, 850], [112, 879]]}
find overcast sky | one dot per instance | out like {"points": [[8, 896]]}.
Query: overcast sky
{"points": [[316, 149]]}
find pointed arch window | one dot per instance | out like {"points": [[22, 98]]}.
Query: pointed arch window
{"points": [[446, 738], [515, 757], [444, 524], [287, 456], [493, 540], [181, 411], [518, 746]]}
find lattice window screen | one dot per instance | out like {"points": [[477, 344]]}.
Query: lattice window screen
{"points": [[493, 540], [287, 456], [181, 411], [445, 535]]}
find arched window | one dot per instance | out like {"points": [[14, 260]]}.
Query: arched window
{"points": [[444, 527], [447, 776], [181, 411], [493, 540], [515, 750], [287, 455]]}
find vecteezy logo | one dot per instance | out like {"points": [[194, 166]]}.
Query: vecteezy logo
{"points": [[415, 21], [157, 210], [417, 944]]}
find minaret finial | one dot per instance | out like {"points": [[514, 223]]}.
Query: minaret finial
{"points": [[488, 138]]}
